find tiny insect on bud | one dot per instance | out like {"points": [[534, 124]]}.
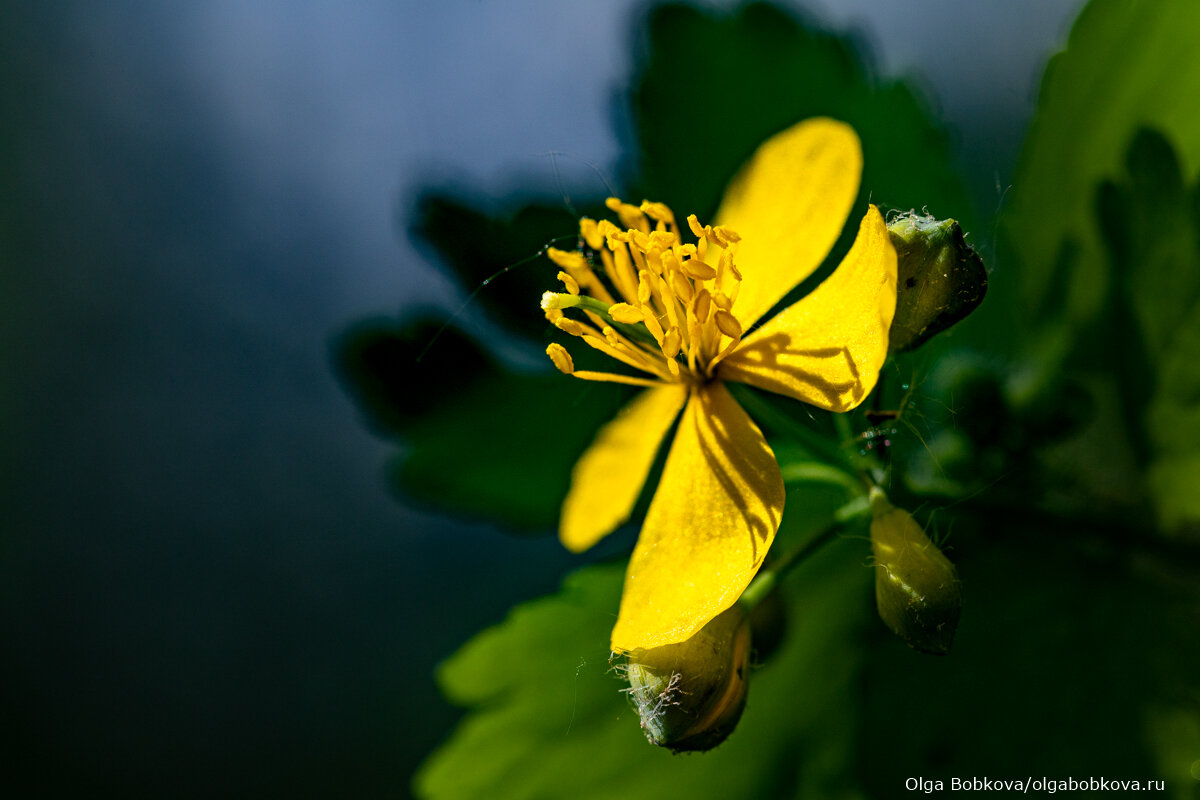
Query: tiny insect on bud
{"points": [[690, 695], [917, 589]]}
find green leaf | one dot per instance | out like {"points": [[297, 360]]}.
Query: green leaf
{"points": [[501, 251], [1152, 332], [716, 85], [477, 439], [546, 716], [1126, 65]]}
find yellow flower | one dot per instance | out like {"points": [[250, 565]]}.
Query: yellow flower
{"points": [[682, 314]]}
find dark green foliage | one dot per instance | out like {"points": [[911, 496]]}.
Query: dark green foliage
{"points": [[548, 718], [505, 250], [713, 87], [1148, 217], [476, 438], [1126, 66]]}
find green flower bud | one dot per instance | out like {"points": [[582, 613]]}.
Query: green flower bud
{"points": [[916, 587], [940, 278], [690, 695]]}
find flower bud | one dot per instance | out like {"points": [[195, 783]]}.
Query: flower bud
{"points": [[917, 589], [690, 695], [940, 278]]}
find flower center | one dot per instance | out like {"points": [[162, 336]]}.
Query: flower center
{"points": [[652, 302]]}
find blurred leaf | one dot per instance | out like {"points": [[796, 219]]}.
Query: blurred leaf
{"points": [[377, 360], [1063, 651], [1175, 736], [474, 246], [1126, 65], [476, 439], [1152, 333], [547, 717], [714, 86]]}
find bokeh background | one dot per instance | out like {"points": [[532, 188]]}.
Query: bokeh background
{"points": [[205, 585]]}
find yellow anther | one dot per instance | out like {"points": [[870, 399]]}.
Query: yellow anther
{"points": [[697, 269], [554, 315], [726, 234], [610, 333], [687, 250], [672, 341], [697, 228], [728, 324], [569, 282], [639, 240], [722, 300], [606, 228], [644, 290], [561, 358], [567, 259], [623, 312], [681, 286], [661, 240], [591, 233], [669, 260], [568, 325], [630, 216], [659, 212], [701, 305]]}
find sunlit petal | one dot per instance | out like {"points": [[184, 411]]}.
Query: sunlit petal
{"points": [[827, 348], [710, 524], [608, 478], [788, 205]]}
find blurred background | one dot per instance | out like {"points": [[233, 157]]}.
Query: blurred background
{"points": [[205, 585]]}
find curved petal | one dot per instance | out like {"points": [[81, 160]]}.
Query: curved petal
{"points": [[789, 204], [710, 524], [608, 478], [827, 348]]}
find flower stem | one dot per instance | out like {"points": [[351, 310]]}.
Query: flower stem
{"points": [[768, 579], [820, 472], [810, 439]]}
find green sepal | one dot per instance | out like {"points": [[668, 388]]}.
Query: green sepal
{"points": [[917, 589], [940, 278], [690, 695]]}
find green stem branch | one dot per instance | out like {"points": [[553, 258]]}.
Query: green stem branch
{"points": [[810, 439], [768, 579]]}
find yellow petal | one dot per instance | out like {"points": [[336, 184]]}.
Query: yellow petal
{"points": [[608, 478], [789, 204], [827, 348], [712, 519]]}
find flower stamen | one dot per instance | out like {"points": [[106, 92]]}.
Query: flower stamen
{"points": [[672, 318]]}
